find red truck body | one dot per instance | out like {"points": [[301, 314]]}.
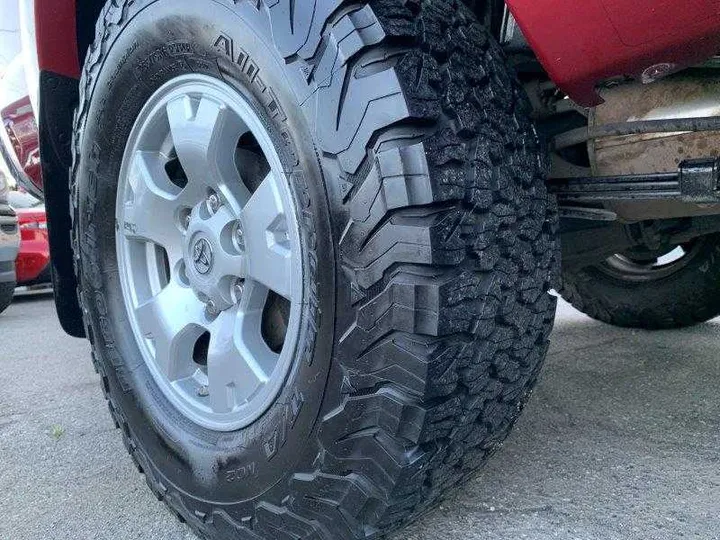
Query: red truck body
{"points": [[583, 43], [32, 264], [54, 22], [579, 43]]}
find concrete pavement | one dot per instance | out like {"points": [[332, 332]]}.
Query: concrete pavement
{"points": [[621, 440]]}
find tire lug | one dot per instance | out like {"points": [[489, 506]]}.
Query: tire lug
{"points": [[213, 202], [211, 308], [203, 391]]}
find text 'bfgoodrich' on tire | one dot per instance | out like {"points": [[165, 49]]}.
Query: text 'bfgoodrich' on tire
{"points": [[328, 363]]}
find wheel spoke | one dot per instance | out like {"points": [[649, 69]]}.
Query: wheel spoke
{"points": [[205, 134], [174, 320], [267, 243], [239, 360], [231, 265], [150, 214]]}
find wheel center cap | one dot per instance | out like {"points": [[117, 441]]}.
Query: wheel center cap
{"points": [[202, 256]]}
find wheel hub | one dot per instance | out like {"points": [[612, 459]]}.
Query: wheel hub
{"points": [[207, 255], [212, 260]]}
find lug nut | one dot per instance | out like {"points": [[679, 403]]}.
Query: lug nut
{"points": [[213, 202], [203, 391], [186, 222], [238, 290], [211, 308], [239, 237]]}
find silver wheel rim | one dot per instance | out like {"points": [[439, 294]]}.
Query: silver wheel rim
{"points": [[202, 258], [651, 266]]}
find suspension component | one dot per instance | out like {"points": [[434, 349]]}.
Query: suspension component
{"points": [[696, 181]]}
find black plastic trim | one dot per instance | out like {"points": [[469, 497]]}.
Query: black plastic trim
{"points": [[58, 99]]}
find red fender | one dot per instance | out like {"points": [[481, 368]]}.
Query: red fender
{"points": [[56, 37]]}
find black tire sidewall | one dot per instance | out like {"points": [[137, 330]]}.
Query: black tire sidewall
{"points": [[164, 40]]}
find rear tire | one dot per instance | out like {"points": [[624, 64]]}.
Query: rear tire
{"points": [[7, 291], [431, 243], [676, 296]]}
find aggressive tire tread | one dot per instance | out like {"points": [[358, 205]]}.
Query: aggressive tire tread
{"points": [[687, 297], [449, 246]]}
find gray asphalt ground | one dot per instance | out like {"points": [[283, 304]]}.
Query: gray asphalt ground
{"points": [[620, 440]]}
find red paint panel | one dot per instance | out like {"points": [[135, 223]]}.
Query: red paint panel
{"points": [[644, 21], [581, 43], [56, 37], [18, 120], [34, 254]]}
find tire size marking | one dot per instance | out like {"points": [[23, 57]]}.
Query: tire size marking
{"points": [[241, 473]]}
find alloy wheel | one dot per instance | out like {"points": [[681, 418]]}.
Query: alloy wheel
{"points": [[209, 252]]}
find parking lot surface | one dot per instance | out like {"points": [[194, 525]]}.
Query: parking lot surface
{"points": [[621, 440]]}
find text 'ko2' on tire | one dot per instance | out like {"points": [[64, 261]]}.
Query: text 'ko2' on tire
{"points": [[314, 253]]}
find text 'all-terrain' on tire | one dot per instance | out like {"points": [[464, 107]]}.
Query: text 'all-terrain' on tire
{"points": [[415, 213]]}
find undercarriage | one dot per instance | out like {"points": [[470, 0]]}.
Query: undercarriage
{"points": [[637, 182]]}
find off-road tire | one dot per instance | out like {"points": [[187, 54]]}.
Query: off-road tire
{"points": [[7, 291], [432, 250], [685, 298]]}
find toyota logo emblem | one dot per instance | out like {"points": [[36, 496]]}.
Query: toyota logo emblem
{"points": [[202, 256]]}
